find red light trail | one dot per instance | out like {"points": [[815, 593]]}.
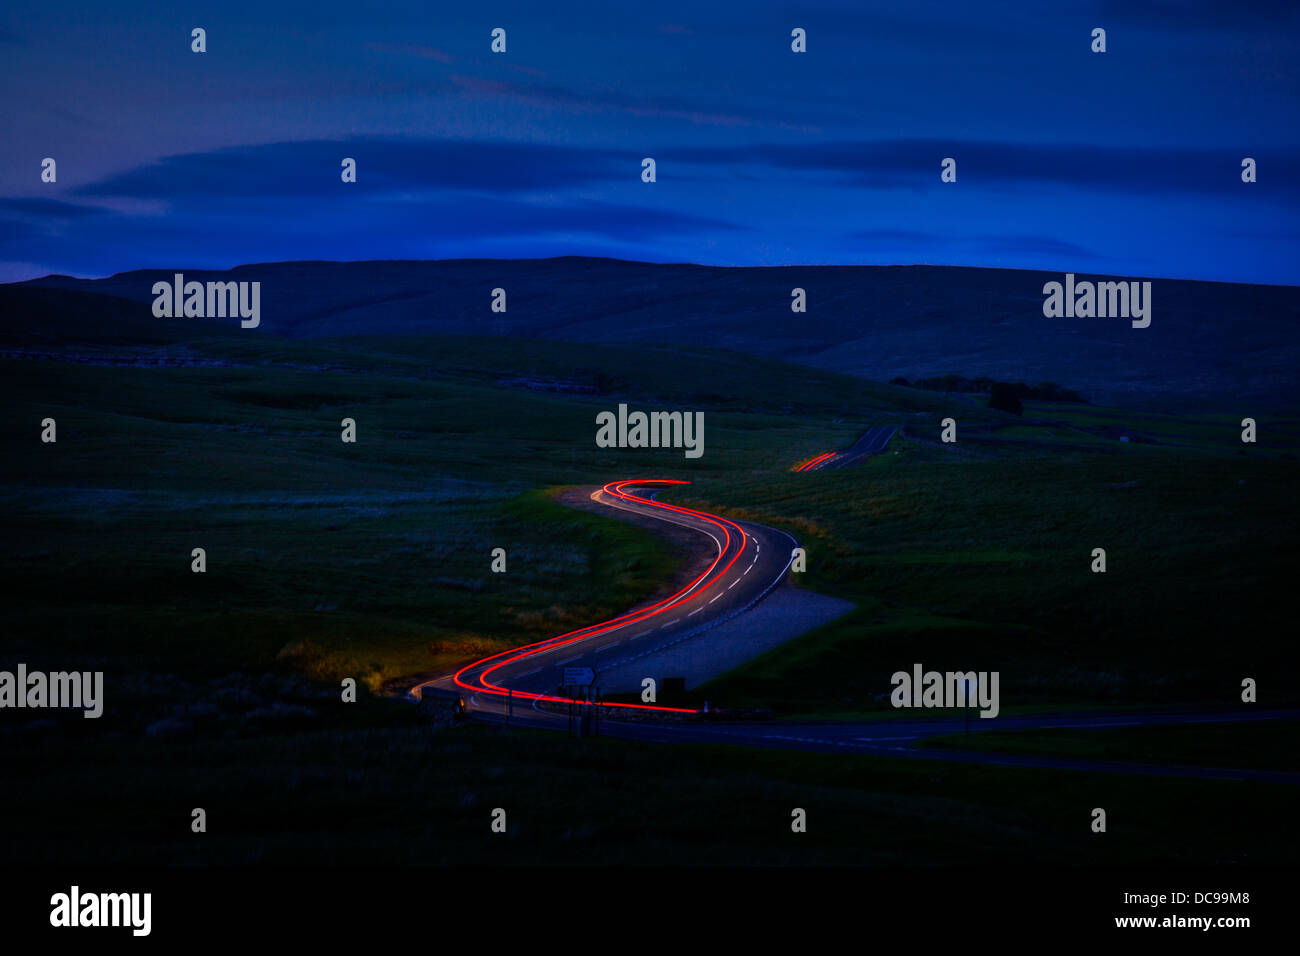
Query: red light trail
{"points": [[702, 583], [816, 461]]}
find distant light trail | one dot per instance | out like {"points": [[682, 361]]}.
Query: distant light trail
{"points": [[816, 461]]}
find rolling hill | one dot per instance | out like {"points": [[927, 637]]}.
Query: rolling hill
{"points": [[1208, 343]]}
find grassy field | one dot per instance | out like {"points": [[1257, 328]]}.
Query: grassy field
{"points": [[367, 559], [985, 564], [392, 793], [1263, 746], [371, 560]]}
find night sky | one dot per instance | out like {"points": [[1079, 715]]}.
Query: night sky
{"points": [[1124, 163]]}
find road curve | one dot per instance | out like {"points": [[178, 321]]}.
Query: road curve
{"points": [[872, 442], [750, 560]]}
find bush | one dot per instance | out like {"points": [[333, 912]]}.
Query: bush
{"points": [[1003, 397]]}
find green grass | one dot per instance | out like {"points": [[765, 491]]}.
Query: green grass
{"points": [[1268, 745], [392, 794], [1277, 431], [371, 560], [371, 586], [999, 551]]}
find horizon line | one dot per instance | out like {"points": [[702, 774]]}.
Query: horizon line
{"points": [[642, 262]]}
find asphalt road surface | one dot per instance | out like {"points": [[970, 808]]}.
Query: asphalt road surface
{"points": [[873, 442], [750, 560], [524, 684]]}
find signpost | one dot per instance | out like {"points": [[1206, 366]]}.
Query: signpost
{"points": [[577, 686], [578, 676]]}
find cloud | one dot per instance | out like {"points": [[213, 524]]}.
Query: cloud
{"points": [[1027, 246], [914, 164], [1034, 245], [1245, 16], [24, 221], [47, 209], [894, 235], [263, 229], [313, 168], [692, 109], [418, 50]]}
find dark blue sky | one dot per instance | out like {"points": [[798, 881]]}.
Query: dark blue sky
{"points": [[1126, 162]]}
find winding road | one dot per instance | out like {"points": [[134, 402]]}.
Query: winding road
{"points": [[872, 442], [751, 560]]}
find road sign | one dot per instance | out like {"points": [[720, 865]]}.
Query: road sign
{"points": [[578, 676]]}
